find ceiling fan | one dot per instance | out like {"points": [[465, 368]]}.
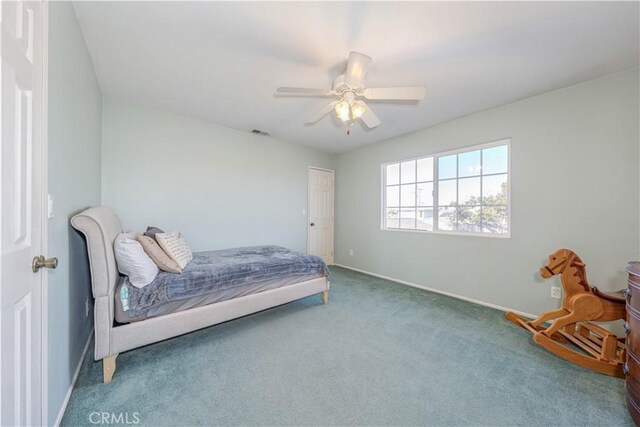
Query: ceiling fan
{"points": [[349, 90]]}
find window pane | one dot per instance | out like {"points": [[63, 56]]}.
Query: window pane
{"points": [[447, 218], [425, 194], [469, 219], [447, 167], [393, 196], [424, 221], [393, 174], [408, 218], [392, 219], [408, 172], [425, 169], [494, 160], [408, 195], [494, 219], [447, 193], [472, 188], [469, 163], [469, 191], [494, 190]]}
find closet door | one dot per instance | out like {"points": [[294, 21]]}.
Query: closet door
{"points": [[320, 227]]}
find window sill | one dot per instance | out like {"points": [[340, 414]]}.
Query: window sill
{"points": [[450, 233]]}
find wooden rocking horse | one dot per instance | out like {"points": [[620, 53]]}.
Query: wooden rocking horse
{"points": [[600, 350]]}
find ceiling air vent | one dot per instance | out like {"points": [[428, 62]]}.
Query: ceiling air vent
{"points": [[260, 132]]}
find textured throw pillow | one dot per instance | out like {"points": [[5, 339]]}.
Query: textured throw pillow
{"points": [[133, 261], [152, 231], [176, 247], [157, 255]]}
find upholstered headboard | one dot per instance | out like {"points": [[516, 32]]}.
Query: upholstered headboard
{"points": [[100, 226]]}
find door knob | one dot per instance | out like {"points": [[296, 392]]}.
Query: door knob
{"points": [[40, 262], [312, 224]]}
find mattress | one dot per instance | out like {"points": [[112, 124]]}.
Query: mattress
{"points": [[214, 271], [122, 315]]}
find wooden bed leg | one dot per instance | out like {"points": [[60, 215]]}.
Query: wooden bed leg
{"points": [[109, 367], [325, 297]]}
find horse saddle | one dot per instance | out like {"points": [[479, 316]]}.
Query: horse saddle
{"points": [[617, 297]]}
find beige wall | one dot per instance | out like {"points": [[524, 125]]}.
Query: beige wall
{"points": [[75, 116], [574, 183], [220, 187]]}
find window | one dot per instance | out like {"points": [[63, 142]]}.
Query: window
{"points": [[465, 191]]}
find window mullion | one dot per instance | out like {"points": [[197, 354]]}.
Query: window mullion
{"points": [[384, 196], [457, 192], [436, 185], [481, 193], [415, 200]]}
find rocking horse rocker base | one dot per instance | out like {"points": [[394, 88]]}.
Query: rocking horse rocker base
{"points": [[572, 335], [600, 350]]}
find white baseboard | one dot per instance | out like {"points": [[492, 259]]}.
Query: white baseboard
{"points": [[438, 291], [63, 408]]}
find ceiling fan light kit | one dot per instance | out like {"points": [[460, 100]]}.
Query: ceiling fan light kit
{"points": [[343, 110], [349, 110], [358, 109], [349, 87]]}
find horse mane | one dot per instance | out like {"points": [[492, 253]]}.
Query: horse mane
{"points": [[580, 271]]}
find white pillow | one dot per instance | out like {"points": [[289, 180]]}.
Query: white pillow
{"points": [[176, 247], [133, 261]]}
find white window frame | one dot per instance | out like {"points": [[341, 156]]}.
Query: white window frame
{"points": [[436, 156]]}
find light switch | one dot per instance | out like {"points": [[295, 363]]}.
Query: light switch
{"points": [[49, 206]]}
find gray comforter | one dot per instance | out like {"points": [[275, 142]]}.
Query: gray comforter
{"points": [[218, 270]]}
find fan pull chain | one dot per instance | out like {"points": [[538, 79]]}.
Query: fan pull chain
{"points": [[349, 126]]}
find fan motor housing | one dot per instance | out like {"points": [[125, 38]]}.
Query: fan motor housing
{"points": [[341, 88]]}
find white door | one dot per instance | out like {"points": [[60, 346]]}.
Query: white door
{"points": [[320, 226], [21, 173]]}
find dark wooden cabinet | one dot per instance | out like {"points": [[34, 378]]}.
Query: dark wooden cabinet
{"points": [[632, 367]]}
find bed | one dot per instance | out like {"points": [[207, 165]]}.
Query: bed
{"points": [[215, 287]]}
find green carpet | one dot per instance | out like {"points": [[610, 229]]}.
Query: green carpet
{"points": [[380, 353]]}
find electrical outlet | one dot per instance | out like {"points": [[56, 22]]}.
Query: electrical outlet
{"points": [[350, 252], [87, 305], [556, 292]]}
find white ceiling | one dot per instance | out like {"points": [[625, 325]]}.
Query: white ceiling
{"points": [[221, 62]]}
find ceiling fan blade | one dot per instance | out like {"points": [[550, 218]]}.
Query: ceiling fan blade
{"points": [[406, 93], [369, 118], [356, 69], [321, 112], [304, 91]]}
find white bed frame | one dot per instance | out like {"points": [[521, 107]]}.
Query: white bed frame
{"points": [[100, 226]]}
